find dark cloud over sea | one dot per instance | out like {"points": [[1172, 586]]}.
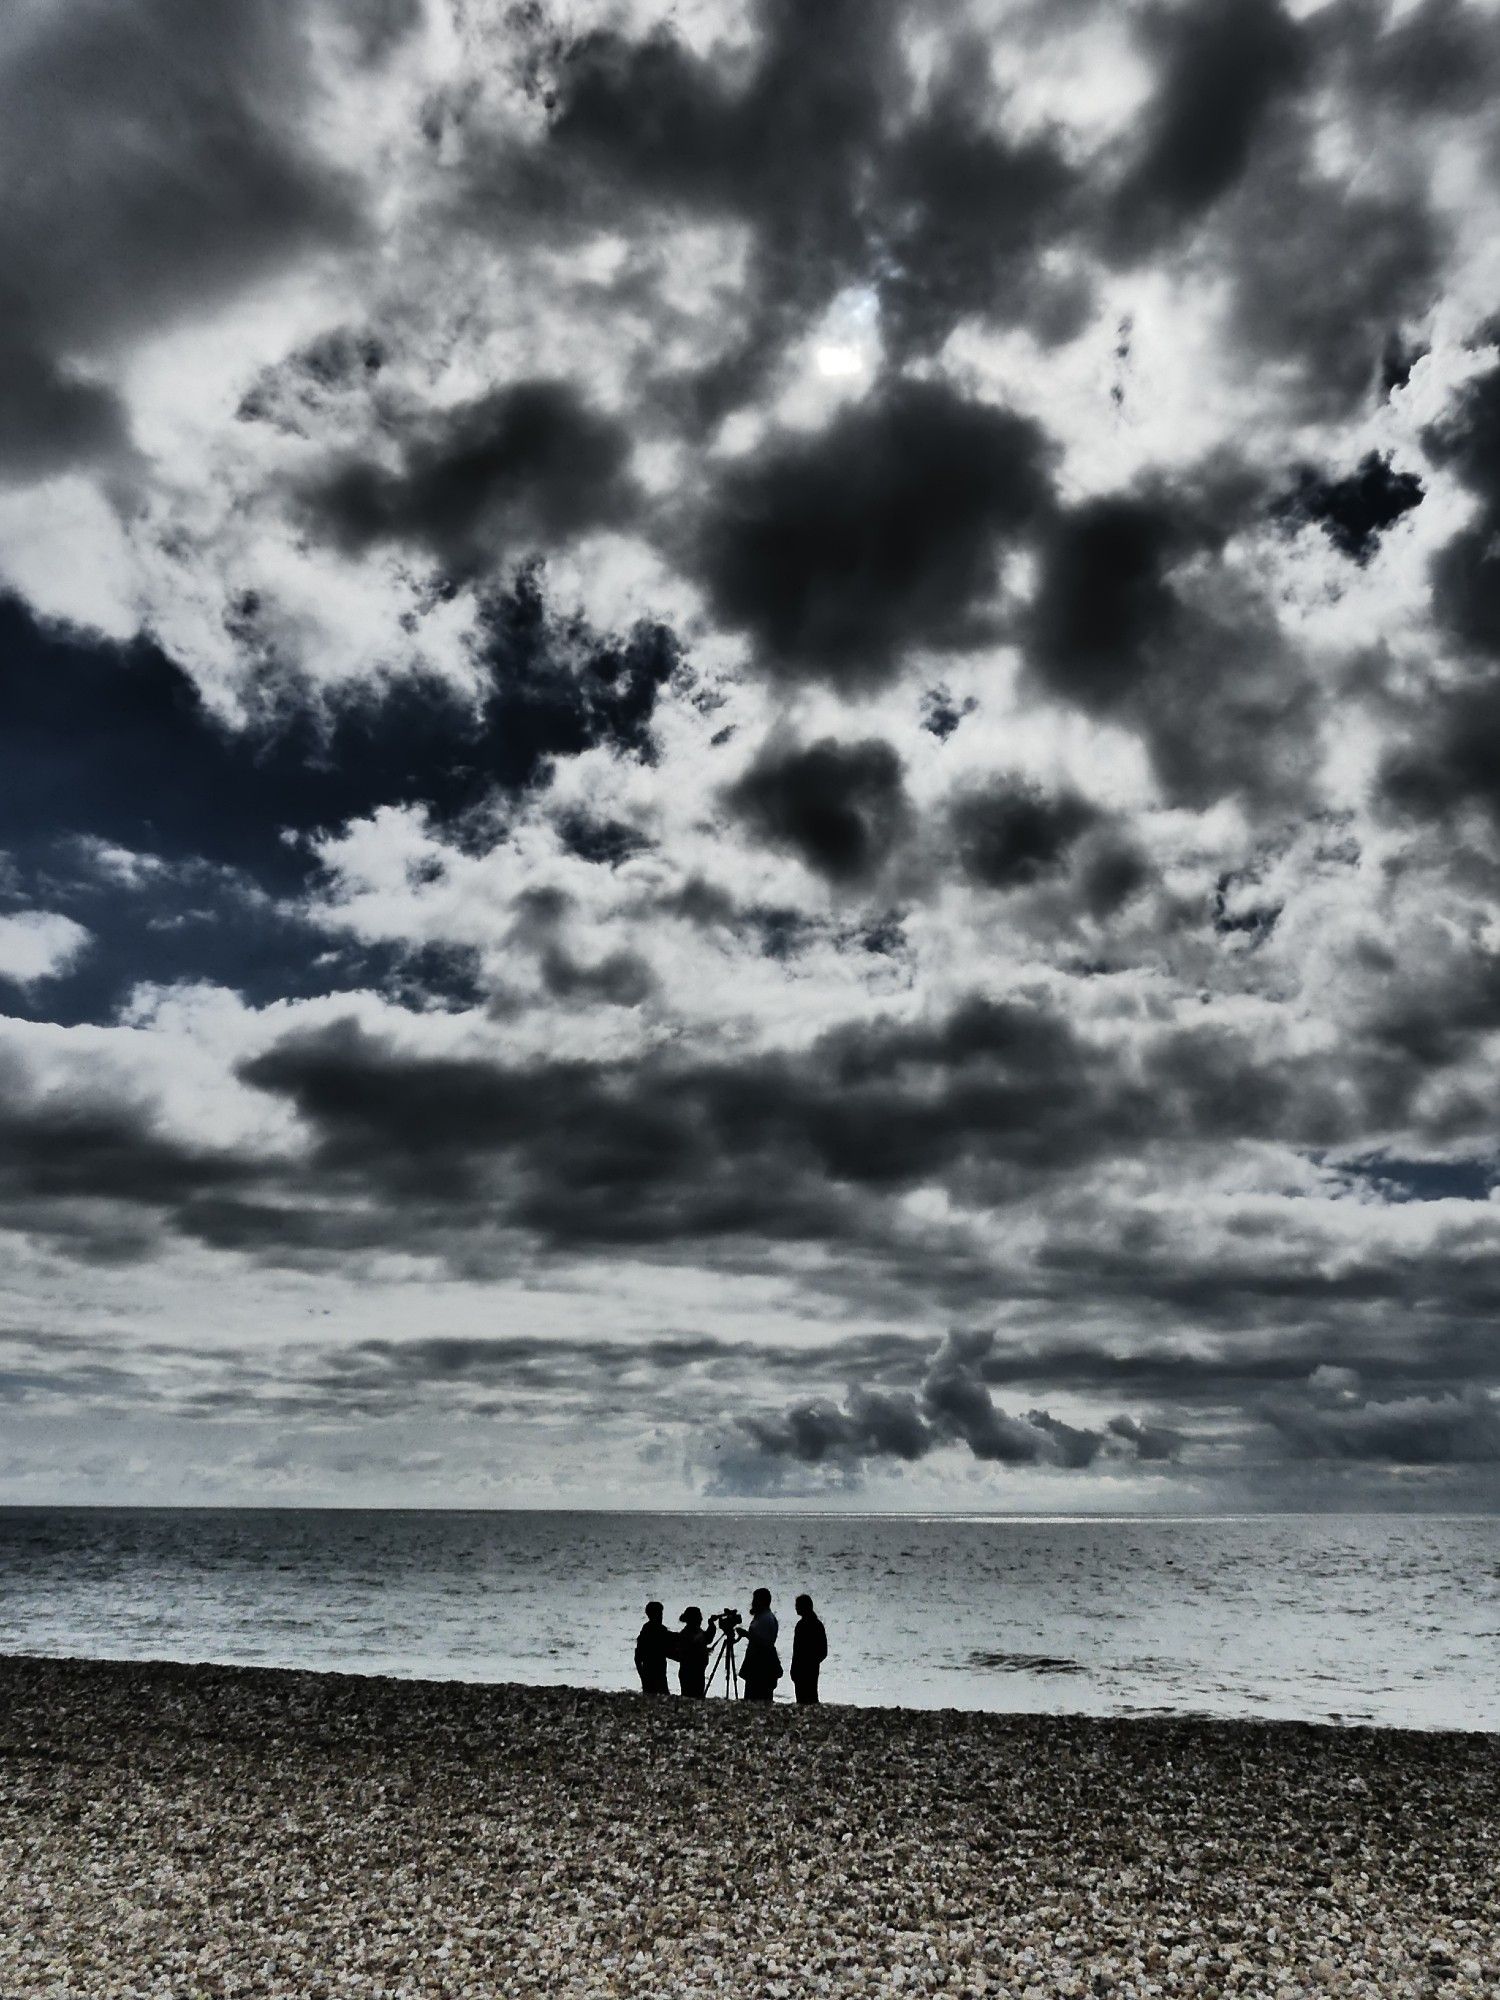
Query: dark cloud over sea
{"points": [[755, 746]]}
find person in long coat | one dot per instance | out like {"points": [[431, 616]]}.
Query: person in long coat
{"points": [[653, 1648], [809, 1649], [760, 1669]]}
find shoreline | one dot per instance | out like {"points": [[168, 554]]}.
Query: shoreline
{"points": [[170, 1829], [1336, 1721], [894, 1712]]}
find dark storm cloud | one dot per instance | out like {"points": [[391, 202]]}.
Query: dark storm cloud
{"points": [[1320, 273], [1264, 1401], [952, 1405], [1437, 58], [98, 1174], [1222, 67], [516, 472], [1354, 511], [764, 1150], [1451, 762], [870, 1425], [757, 1153], [1136, 619], [115, 745], [1013, 834], [1459, 1428], [467, 1158], [185, 173], [840, 807], [840, 551], [848, 175], [1451, 758], [960, 1406], [1153, 1444], [1104, 601], [965, 217], [770, 1149], [52, 415], [1316, 301], [844, 174], [1111, 873], [1466, 573]]}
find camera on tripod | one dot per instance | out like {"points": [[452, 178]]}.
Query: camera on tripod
{"points": [[730, 1631]]}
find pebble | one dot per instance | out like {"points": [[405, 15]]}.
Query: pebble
{"points": [[199, 1833]]}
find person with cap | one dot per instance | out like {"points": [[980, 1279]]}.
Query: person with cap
{"points": [[760, 1669], [653, 1648], [690, 1649], [809, 1649]]}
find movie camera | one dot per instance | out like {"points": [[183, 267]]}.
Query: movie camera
{"points": [[731, 1629]]}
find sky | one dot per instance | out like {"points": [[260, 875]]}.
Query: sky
{"points": [[750, 753]]}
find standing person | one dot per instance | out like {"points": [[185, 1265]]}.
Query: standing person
{"points": [[653, 1648], [760, 1669], [809, 1649], [690, 1650]]}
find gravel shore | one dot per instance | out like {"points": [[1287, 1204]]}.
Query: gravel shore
{"points": [[181, 1831]]}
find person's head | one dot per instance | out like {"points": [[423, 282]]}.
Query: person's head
{"points": [[804, 1606], [761, 1601], [653, 1611], [692, 1617]]}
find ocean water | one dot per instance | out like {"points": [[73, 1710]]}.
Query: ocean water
{"points": [[1350, 1618]]}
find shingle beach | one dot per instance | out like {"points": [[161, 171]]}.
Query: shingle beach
{"points": [[182, 1831]]}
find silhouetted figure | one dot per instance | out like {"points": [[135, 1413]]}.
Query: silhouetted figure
{"points": [[690, 1649], [760, 1669], [809, 1649], [653, 1648]]}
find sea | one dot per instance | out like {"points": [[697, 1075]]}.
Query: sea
{"points": [[1344, 1618]]}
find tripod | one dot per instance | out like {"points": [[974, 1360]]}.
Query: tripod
{"points": [[724, 1660]]}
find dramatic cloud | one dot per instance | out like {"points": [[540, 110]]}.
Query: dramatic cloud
{"points": [[839, 806], [884, 531], [520, 470], [1223, 66], [1013, 834], [751, 751], [952, 1406]]}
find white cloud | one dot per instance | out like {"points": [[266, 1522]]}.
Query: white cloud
{"points": [[39, 944]]}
